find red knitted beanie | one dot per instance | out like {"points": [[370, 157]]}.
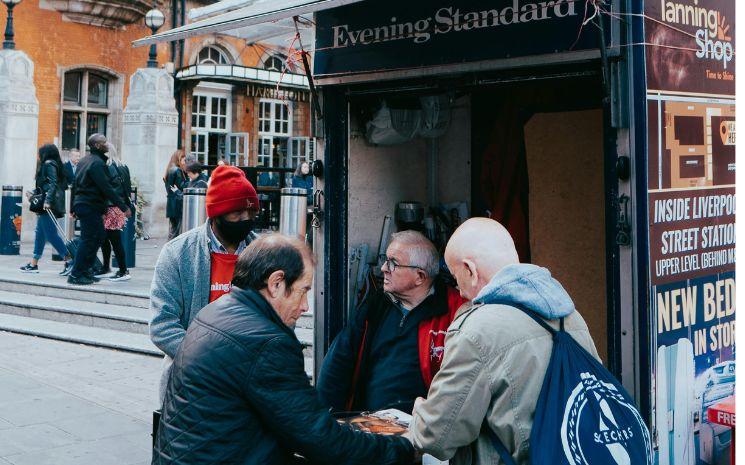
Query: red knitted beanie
{"points": [[230, 191]]}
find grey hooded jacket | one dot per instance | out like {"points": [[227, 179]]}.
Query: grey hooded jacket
{"points": [[493, 368]]}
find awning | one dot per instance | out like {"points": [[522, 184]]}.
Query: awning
{"points": [[246, 19]]}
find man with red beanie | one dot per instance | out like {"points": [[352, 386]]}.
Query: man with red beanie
{"points": [[196, 267]]}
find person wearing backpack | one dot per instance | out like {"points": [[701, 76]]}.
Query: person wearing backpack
{"points": [[521, 381]]}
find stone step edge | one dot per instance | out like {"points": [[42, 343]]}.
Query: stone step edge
{"points": [[73, 311], [93, 289], [75, 339]]}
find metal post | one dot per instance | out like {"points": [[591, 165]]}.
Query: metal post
{"points": [[69, 220], [194, 209], [9, 43], [293, 211]]}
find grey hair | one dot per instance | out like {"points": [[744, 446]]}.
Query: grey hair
{"points": [[422, 252]]}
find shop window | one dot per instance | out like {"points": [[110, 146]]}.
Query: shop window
{"points": [[211, 124], [212, 56], [85, 107]]}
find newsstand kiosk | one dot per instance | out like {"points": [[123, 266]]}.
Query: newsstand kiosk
{"points": [[610, 162], [600, 133]]}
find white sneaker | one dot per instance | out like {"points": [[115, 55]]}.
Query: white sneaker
{"points": [[121, 276]]}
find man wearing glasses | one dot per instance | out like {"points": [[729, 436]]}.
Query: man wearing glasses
{"points": [[393, 347]]}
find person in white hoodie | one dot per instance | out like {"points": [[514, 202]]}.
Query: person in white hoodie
{"points": [[495, 355]]}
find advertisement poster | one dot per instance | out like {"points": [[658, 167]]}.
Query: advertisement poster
{"points": [[691, 46], [692, 210]]}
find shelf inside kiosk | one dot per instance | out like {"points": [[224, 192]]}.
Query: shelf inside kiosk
{"points": [[528, 154]]}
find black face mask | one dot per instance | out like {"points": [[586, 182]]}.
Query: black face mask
{"points": [[234, 231]]}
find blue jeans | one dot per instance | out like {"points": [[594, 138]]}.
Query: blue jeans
{"points": [[47, 232]]}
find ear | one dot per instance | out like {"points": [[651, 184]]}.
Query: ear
{"points": [[471, 269], [275, 284], [421, 276]]}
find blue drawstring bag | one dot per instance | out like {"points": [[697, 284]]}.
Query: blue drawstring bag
{"points": [[583, 415]]}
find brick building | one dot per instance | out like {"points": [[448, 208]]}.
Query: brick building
{"points": [[226, 90]]}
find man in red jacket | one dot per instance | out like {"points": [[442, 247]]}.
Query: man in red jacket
{"points": [[393, 347]]}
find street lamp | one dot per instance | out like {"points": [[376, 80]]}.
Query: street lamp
{"points": [[154, 19], [8, 44]]}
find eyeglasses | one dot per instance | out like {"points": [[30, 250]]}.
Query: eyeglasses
{"points": [[392, 265]]}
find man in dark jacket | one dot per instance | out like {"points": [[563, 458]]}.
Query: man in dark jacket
{"points": [[388, 355], [238, 393], [71, 166], [91, 190]]}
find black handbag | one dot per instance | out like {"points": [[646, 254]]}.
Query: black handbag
{"points": [[36, 201]]}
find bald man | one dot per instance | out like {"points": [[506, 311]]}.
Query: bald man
{"points": [[92, 194], [495, 355]]}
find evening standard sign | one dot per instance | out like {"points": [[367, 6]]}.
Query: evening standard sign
{"points": [[388, 35]]}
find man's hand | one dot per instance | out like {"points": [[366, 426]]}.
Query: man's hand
{"points": [[47, 206], [128, 212]]}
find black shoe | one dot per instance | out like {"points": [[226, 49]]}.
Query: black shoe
{"points": [[121, 276], [101, 272], [90, 276], [80, 281], [67, 269], [29, 268]]}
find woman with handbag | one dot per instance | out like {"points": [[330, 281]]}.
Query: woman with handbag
{"points": [[48, 196], [114, 220]]}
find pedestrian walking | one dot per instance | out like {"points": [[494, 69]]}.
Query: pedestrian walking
{"points": [[51, 182], [174, 179], [114, 220], [239, 393], [91, 190]]}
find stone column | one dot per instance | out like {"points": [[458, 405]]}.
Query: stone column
{"points": [[149, 139], [19, 126]]}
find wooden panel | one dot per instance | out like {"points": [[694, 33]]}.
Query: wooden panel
{"points": [[567, 220]]}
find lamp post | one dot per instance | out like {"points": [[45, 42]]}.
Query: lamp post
{"points": [[8, 43], [154, 19]]}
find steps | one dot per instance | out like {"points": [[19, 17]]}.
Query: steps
{"points": [[106, 314]]}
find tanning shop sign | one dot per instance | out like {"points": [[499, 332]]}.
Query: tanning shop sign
{"points": [[391, 34], [691, 46]]}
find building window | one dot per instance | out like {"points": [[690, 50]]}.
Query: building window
{"points": [[274, 117], [209, 112], [275, 63], [85, 107], [212, 56]]}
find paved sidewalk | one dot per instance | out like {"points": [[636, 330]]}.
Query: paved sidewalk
{"points": [[142, 274], [69, 404]]}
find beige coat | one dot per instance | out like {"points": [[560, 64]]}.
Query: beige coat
{"points": [[493, 368]]}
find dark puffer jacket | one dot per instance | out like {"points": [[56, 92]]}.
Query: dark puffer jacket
{"points": [[238, 394]]}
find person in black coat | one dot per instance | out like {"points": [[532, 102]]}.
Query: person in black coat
{"points": [[51, 180], [175, 179], [238, 392], [195, 174], [91, 192], [122, 184]]}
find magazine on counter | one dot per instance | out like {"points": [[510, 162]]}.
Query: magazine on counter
{"points": [[390, 422]]}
